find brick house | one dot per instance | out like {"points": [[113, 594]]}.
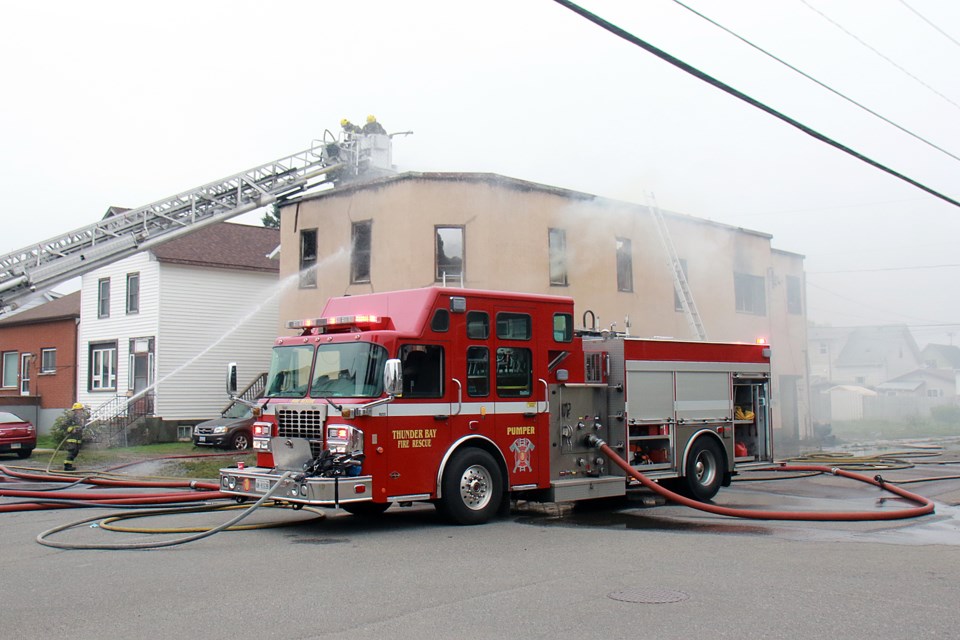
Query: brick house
{"points": [[39, 360]]}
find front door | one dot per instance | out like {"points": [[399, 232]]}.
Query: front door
{"points": [[25, 373], [140, 377]]}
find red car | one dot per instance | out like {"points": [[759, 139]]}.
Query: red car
{"points": [[16, 435]]}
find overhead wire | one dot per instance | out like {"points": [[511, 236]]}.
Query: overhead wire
{"points": [[697, 73], [929, 22], [818, 82], [876, 51]]}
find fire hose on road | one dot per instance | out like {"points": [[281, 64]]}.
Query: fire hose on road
{"points": [[925, 506]]}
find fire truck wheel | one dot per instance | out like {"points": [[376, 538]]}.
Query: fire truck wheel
{"points": [[472, 487], [705, 470], [365, 509]]}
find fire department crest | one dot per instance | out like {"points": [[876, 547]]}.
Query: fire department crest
{"points": [[521, 448]]}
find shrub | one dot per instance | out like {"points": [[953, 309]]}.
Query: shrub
{"points": [[946, 414]]}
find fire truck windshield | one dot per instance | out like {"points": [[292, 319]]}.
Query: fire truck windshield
{"points": [[340, 370]]}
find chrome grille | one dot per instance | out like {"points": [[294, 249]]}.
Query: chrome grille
{"points": [[300, 423]]}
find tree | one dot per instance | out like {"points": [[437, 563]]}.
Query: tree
{"points": [[271, 219]]}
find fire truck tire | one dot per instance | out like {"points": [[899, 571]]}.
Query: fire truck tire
{"points": [[365, 509], [704, 471], [472, 487]]}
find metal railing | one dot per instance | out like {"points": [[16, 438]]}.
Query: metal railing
{"points": [[110, 423]]}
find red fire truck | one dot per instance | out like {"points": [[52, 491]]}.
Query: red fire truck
{"points": [[469, 398]]}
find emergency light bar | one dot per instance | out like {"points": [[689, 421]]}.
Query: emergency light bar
{"points": [[368, 321]]}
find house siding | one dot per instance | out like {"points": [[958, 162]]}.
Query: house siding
{"points": [[50, 393], [119, 327], [200, 307]]}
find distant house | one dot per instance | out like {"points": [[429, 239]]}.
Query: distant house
{"points": [[163, 324], [39, 357], [865, 356], [922, 383]]}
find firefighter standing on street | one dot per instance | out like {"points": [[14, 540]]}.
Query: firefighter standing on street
{"points": [[74, 439]]}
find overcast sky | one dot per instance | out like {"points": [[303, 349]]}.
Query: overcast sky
{"points": [[114, 103]]}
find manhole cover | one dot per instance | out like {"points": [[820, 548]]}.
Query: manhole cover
{"points": [[648, 596]]}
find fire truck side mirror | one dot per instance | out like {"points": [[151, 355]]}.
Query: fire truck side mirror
{"points": [[232, 379], [393, 377]]}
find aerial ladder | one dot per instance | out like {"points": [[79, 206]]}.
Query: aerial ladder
{"points": [[41, 266], [680, 283]]}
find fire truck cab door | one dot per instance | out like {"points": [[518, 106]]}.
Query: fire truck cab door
{"points": [[522, 414]]}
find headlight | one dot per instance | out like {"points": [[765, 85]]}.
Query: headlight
{"points": [[219, 429], [232, 483]]}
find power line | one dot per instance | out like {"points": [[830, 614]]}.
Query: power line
{"points": [[864, 305], [928, 266], [812, 79], [922, 17], [663, 55], [876, 51]]}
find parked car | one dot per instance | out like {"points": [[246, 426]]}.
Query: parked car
{"points": [[16, 435], [232, 430]]}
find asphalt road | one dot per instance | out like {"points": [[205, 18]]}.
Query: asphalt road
{"points": [[543, 572]]}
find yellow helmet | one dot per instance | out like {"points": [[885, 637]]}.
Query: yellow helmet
{"points": [[344, 122], [371, 118], [77, 405]]}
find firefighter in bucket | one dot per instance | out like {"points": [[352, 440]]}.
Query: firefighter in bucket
{"points": [[74, 429]]}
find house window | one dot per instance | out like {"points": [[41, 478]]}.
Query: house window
{"points": [[10, 364], [557, 245], [360, 257], [48, 361], [750, 294], [794, 296], [934, 393], [624, 265], [823, 349], [677, 302], [103, 367], [308, 258], [133, 293], [103, 298], [449, 257]]}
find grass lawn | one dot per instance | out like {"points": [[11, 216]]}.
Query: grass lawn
{"points": [[172, 459]]}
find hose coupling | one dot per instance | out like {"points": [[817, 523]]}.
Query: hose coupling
{"points": [[592, 440], [835, 471]]}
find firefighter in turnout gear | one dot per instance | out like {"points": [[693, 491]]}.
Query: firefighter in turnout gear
{"points": [[74, 440]]}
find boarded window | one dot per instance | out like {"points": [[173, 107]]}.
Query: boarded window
{"points": [[794, 296], [450, 254], [360, 256], [750, 294], [308, 258], [557, 241], [624, 265]]}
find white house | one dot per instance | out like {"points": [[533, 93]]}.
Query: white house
{"points": [[162, 324]]}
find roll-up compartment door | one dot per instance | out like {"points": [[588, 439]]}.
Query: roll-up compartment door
{"points": [[703, 395]]}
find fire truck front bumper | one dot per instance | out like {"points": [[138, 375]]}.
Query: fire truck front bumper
{"points": [[255, 482]]}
